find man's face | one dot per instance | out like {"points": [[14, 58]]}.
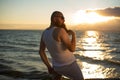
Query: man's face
{"points": [[59, 20]]}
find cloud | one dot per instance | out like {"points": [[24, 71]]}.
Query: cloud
{"points": [[112, 25], [110, 12]]}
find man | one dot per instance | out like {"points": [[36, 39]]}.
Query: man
{"points": [[56, 39]]}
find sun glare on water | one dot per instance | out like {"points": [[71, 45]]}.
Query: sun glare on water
{"points": [[83, 16]]}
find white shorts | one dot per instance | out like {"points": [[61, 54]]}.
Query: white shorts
{"points": [[71, 71]]}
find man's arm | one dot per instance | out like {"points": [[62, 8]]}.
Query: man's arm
{"points": [[44, 57], [70, 44]]}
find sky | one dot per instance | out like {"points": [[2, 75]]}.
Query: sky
{"points": [[39, 11]]}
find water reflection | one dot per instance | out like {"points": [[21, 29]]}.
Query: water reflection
{"points": [[92, 71], [92, 45], [90, 37], [94, 51]]}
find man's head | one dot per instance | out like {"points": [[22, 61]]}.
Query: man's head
{"points": [[57, 19]]}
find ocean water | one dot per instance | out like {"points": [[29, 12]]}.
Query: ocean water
{"points": [[97, 53]]}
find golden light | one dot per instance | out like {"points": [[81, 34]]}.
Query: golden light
{"points": [[91, 37], [92, 49], [92, 71], [83, 16], [91, 41], [91, 33]]}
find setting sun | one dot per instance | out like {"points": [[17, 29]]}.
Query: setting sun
{"points": [[83, 16]]}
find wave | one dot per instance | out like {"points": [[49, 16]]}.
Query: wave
{"points": [[18, 48], [34, 75], [31, 73], [6, 61], [98, 61], [22, 43], [10, 74], [25, 75]]}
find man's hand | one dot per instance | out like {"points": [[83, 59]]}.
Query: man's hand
{"points": [[50, 70], [56, 76], [70, 32]]}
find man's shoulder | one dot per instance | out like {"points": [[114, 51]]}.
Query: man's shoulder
{"points": [[46, 29], [60, 29]]}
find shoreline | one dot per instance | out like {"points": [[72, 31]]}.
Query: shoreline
{"points": [[36, 75]]}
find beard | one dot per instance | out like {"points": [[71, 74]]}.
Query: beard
{"points": [[57, 24], [61, 26]]}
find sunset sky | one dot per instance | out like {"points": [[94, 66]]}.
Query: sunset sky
{"points": [[75, 11]]}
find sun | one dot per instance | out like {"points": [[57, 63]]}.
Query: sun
{"points": [[82, 16]]}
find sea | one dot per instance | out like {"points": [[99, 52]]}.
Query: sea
{"points": [[97, 53]]}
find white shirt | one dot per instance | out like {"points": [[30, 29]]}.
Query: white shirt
{"points": [[60, 54]]}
